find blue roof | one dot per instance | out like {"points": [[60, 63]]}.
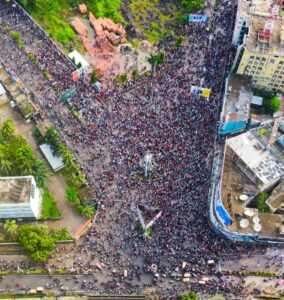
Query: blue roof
{"points": [[233, 126]]}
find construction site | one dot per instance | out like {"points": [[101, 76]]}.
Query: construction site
{"points": [[107, 49], [253, 163]]}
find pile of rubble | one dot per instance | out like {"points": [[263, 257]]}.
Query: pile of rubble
{"points": [[107, 33]]}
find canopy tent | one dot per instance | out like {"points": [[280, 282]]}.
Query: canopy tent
{"points": [[78, 59]]}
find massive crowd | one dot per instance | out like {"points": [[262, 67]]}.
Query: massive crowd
{"points": [[156, 114]]}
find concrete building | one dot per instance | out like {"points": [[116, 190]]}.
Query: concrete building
{"points": [[255, 161], [259, 37], [236, 105], [19, 198]]}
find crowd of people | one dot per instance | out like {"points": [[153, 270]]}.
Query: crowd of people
{"points": [[154, 114]]}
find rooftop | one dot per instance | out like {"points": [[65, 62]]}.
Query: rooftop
{"points": [[237, 99], [259, 160], [256, 13], [234, 184], [15, 190]]}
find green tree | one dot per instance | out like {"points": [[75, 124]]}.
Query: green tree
{"points": [[94, 77], [7, 131], [274, 104], [72, 196], [11, 227], [156, 60], [88, 211], [37, 241], [192, 5], [179, 41], [5, 167], [53, 138], [260, 202], [40, 171], [190, 296]]}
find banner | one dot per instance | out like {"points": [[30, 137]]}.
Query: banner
{"points": [[197, 90], [197, 18]]}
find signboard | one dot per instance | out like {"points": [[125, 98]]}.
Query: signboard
{"points": [[67, 95], [197, 18], [197, 90]]}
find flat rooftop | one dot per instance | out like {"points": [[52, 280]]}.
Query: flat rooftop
{"points": [[15, 190], [238, 98], [256, 13], [257, 158], [236, 183]]}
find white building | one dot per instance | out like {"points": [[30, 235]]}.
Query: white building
{"points": [[19, 198], [257, 162]]}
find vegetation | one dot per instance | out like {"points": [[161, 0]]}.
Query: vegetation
{"points": [[262, 131], [190, 296], [94, 77], [73, 198], [259, 202], [49, 207], [11, 228], [53, 15], [273, 105], [17, 158], [121, 79], [37, 242], [139, 228], [156, 60], [179, 41], [27, 110], [15, 35], [32, 58], [46, 75]]}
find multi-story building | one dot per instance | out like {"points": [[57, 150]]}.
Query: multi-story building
{"points": [[259, 37]]}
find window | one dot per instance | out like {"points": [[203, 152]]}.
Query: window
{"points": [[263, 59], [252, 57], [272, 61]]}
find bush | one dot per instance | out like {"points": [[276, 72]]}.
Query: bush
{"points": [[32, 58], [179, 41], [49, 207], [259, 202], [121, 79], [274, 105], [46, 75], [262, 131], [15, 36], [139, 228], [27, 110]]}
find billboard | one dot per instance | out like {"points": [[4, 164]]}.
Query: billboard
{"points": [[197, 90], [197, 18]]}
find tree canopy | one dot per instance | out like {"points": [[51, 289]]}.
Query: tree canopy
{"points": [[274, 104], [37, 241], [17, 158]]}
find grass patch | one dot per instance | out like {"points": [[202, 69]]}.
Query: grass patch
{"points": [[49, 207]]}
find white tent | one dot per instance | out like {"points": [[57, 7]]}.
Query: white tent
{"points": [[244, 223], [78, 58]]}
